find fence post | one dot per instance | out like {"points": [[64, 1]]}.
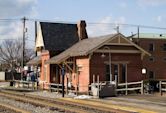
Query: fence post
{"points": [[126, 88], [67, 85], [98, 85], [33, 85], [160, 87], [36, 87], [93, 78], [49, 85], [19, 84], [58, 88], [116, 84], [142, 87]]}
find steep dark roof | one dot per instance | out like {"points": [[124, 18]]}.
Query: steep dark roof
{"points": [[58, 36]]}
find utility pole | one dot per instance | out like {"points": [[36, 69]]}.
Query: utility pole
{"points": [[117, 29], [23, 43], [35, 36], [138, 35], [138, 31]]}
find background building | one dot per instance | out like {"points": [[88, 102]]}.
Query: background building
{"points": [[155, 44]]}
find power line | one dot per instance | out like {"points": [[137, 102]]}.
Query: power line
{"points": [[7, 20], [9, 38], [52, 21], [88, 23], [129, 25]]}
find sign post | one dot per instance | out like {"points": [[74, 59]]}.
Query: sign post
{"points": [[63, 74]]}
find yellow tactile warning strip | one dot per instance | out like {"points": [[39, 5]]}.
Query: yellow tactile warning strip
{"points": [[120, 107], [14, 108]]}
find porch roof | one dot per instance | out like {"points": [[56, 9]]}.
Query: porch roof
{"points": [[85, 47], [35, 61]]}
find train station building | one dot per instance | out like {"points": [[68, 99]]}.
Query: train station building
{"points": [[110, 57]]}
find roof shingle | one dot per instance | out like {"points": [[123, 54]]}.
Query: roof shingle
{"points": [[81, 48], [59, 36], [35, 61]]}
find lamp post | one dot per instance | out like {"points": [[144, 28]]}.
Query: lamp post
{"points": [[110, 65], [109, 62]]}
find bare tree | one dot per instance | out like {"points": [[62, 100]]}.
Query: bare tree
{"points": [[11, 53]]}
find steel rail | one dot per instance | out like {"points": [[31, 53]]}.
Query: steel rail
{"points": [[77, 107]]}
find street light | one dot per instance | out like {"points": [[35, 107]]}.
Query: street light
{"points": [[110, 66], [109, 61]]}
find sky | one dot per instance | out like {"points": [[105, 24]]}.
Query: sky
{"points": [[102, 16]]}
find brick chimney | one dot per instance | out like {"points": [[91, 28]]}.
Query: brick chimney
{"points": [[81, 25]]}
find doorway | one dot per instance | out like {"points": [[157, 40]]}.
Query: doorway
{"points": [[118, 71]]}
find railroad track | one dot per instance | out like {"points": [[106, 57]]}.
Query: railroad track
{"points": [[59, 104], [4, 108]]}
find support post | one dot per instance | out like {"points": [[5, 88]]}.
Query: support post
{"points": [[160, 87], [58, 88], [126, 81], [93, 78], [110, 66], [23, 46], [116, 84], [98, 85], [67, 85], [126, 89], [63, 79], [142, 87]]}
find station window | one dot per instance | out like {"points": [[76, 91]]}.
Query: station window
{"points": [[151, 47], [151, 59], [151, 75], [164, 46]]}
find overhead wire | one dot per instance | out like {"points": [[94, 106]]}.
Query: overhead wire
{"points": [[89, 23]]}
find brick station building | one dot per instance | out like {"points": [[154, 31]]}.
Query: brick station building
{"points": [[51, 40], [107, 56]]}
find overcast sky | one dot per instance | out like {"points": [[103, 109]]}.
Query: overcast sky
{"points": [[140, 12]]}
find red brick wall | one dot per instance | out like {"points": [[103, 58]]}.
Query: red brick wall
{"points": [[83, 75], [97, 66], [159, 64], [45, 56]]}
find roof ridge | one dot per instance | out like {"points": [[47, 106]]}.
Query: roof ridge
{"points": [[59, 23], [104, 35]]}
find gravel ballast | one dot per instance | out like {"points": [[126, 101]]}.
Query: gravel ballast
{"points": [[26, 106]]}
